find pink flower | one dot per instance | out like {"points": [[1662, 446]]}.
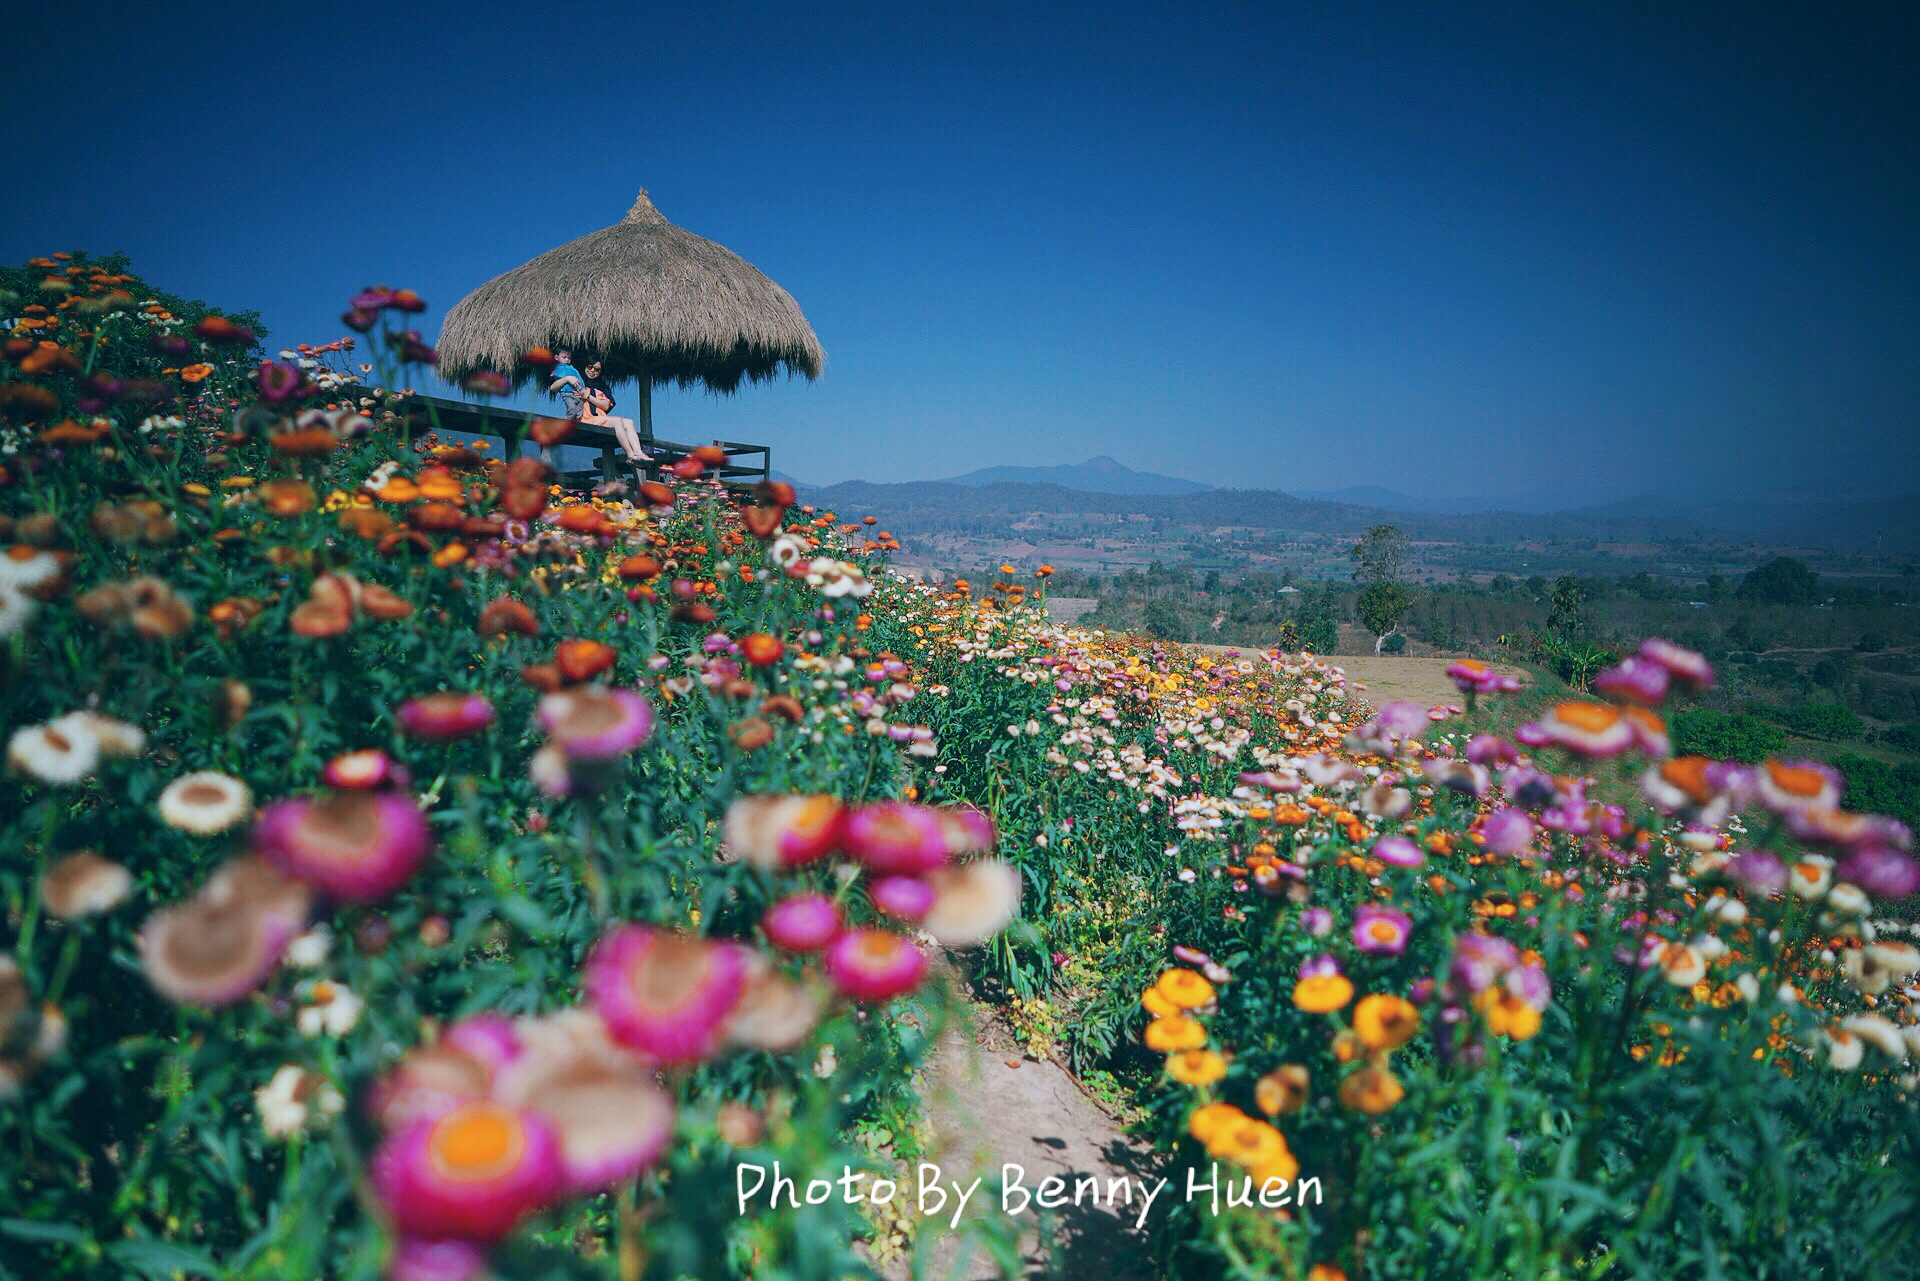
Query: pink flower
{"points": [[1380, 929], [1586, 729], [446, 715], [666, 995], [418, 1260], [1636, 679], [353, 846], [778, 832], [471, 1174], [594, 722], [905, 898], [1398, 851], [896, 837], [803, 923], [875, 965], [1507, 831], [1684, 665], [369, 769]]}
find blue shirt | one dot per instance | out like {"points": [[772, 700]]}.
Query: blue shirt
{"points": [[564, 371]]}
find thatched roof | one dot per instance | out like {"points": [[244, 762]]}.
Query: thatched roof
{"points": [[647, 298]]}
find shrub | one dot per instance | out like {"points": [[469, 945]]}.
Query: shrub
{"points": [[1816, 720], [1731, 736]]}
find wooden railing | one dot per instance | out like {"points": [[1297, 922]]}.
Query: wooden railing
{"points": [[745, 464]]}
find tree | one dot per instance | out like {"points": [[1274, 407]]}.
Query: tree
{"points": [[1781, 581], [1567, 613], [1383, 601], [1380, 607], [1163, 620]]}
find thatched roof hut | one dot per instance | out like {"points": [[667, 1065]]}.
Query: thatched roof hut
{"points": [[652, 302]]}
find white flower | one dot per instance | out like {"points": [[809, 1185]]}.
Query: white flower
{"points": [[332, 1010], [1881, 1033], [53, 755], [205, 802], [1844, 1049], [310, 950], [294, 1098], [787, 550], [1681, 965], [16, 608], [116, 738], [25, 566]]}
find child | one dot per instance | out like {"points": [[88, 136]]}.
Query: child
{"points": [[567, 384], [598, 400]]}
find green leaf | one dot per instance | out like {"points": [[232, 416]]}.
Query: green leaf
{"points": [[162, 1260]]}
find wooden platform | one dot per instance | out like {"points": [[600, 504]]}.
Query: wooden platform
{"points": [[746, 464]]}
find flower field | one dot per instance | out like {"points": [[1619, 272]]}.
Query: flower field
{"points": [[413, 868], [1547, 1003]]}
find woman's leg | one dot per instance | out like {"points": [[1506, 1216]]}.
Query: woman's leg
{"points": [[629, 438]]}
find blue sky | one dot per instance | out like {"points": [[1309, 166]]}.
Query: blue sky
{"points": [[1455, 250]]}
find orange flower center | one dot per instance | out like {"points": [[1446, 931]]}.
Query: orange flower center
{"points": [[477, 1140]]}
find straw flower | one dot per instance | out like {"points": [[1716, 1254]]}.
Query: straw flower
{"points": [[1184, 989], [1283, 1090], [1175, 1032], [612, 1121], [1385, 1022], [972, 902], [472, 1174], [16, 610], [777, 832], [664, 994], [1196, 1067], [1372, 1089], [875, 965], [204, 803], [356, 846], [295, 1099], [1322, 993], [53, 754], [84, 884], [220, 945]]}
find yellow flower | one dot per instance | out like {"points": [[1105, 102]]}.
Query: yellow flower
{"points": [[1282, 1090], [1282, 1167], [1372, 1089], [1175, 1032], [1196, 1067], [1385, 1022], [1323, 993], [1249, 1143], [1325, 1272], [1209, 1120], [1184, 989], [1156, 1004], [1507, 1015]]}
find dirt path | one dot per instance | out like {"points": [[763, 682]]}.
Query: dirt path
{"points": [[991, 1107], [1385, 678]]}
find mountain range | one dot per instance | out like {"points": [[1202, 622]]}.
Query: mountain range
{"points": [[1101, 475]]}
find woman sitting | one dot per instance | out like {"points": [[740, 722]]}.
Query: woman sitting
{"points": [[597, 399]]}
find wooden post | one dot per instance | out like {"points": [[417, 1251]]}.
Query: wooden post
{"points": [[643, 422]]}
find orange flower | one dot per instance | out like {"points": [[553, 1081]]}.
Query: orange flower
{"points": [[1196, 1067], [762, 649], [1283, 1090], [196, 372], [1175, 1032], [1322, 993], [287, 497], [1184, 989], [1385, 1022], [582, 660], [1372, 1089]]}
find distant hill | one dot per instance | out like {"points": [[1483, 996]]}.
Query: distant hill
{"points": [[1886, 526], [1393, 500], [1102, 475]]}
